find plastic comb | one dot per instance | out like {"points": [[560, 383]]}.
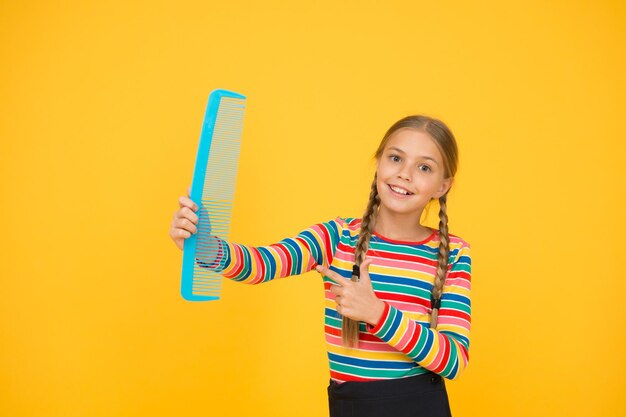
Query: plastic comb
{"points": [[213, 188]]}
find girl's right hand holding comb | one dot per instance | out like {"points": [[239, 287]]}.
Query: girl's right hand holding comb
{"points": [[185, 220]]}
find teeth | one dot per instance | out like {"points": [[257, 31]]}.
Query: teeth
{"points": [[399, 190]]}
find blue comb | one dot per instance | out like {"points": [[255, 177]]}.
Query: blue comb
{"points": [[212, 188]]}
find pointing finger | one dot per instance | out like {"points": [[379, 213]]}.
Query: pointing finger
{"points": [[333, 276]]}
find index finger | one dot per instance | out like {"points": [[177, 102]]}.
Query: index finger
{"points": [[333, 276]]}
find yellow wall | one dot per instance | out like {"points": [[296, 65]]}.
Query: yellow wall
{"points": [[100, 111]]}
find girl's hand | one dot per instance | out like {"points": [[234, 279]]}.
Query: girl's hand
{"points": [[185, 220], [355, 300]]}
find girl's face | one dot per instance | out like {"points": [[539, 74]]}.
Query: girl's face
{"points": [[410, 172]]}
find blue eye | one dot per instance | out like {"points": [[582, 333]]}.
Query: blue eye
{"points": [[424, 168], [395, 158]]}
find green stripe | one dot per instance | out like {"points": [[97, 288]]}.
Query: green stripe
{"points": [[333, 322], [294, 257], [371, 373], [403, 249], [455, 305], [451, 360], [266, 262], [401, 289], [387, 324], [419, 345], [337, 324], [247, 262], [461, 267], [312, 245]]}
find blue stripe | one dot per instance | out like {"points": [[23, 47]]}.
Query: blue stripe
{"points": [[455, 297], [430, 338], [296, 266], [455, 368], [226, 255], [365, 363], [395, 322], [343, 272], [332, 313], [333, 231], [411, 282], [333, 235], [316, 250], [458, 337], [465, 260], [270, 263]]}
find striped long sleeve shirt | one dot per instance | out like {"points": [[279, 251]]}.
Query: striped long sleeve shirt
{"points": [[402, 343]]}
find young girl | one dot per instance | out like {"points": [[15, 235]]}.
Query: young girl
{"points": [[397, 317]]}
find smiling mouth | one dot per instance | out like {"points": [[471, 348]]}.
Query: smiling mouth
{"points": [[399, 190]]}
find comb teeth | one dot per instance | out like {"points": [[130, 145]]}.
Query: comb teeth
{"points": [[217, 177]]}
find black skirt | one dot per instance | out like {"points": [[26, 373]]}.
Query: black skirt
{"points": [[416, 396]]}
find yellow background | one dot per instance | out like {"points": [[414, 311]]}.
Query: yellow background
{"points": [[101, 105]]}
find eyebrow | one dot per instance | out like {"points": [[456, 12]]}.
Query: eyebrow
{"points": [[419, 156]]}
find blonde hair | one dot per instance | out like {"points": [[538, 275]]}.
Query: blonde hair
{"points": [[446, 143]]}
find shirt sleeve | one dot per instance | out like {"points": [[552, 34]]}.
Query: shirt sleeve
{"points": [[292, 256], [445, 349]]}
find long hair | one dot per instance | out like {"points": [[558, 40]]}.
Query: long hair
{"points": [[446, 143]]}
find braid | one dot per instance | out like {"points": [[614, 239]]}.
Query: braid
{"points": [[367, 225], [350, 328], [442, 261]]}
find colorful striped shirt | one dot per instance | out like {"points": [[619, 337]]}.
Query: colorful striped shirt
{"points": [[402, 344]]}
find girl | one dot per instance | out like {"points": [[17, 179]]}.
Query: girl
{"points": [[397, 315]]}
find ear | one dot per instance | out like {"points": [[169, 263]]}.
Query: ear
{"points": [[444, 187]]}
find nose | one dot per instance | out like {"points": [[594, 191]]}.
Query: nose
{"points": [[403, 172]]}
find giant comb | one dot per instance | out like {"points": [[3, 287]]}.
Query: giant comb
{"points": [[212, 189]]}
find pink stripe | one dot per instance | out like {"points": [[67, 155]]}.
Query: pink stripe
{"points": [[355, 226], [344, 256], [405, 265], [238, 258], [454, 321], [408, 307], [408, 334], [381, 347], [280, 250], [456, 239], [439, 357], [256, 262], [459, 282], [377, 347]]}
